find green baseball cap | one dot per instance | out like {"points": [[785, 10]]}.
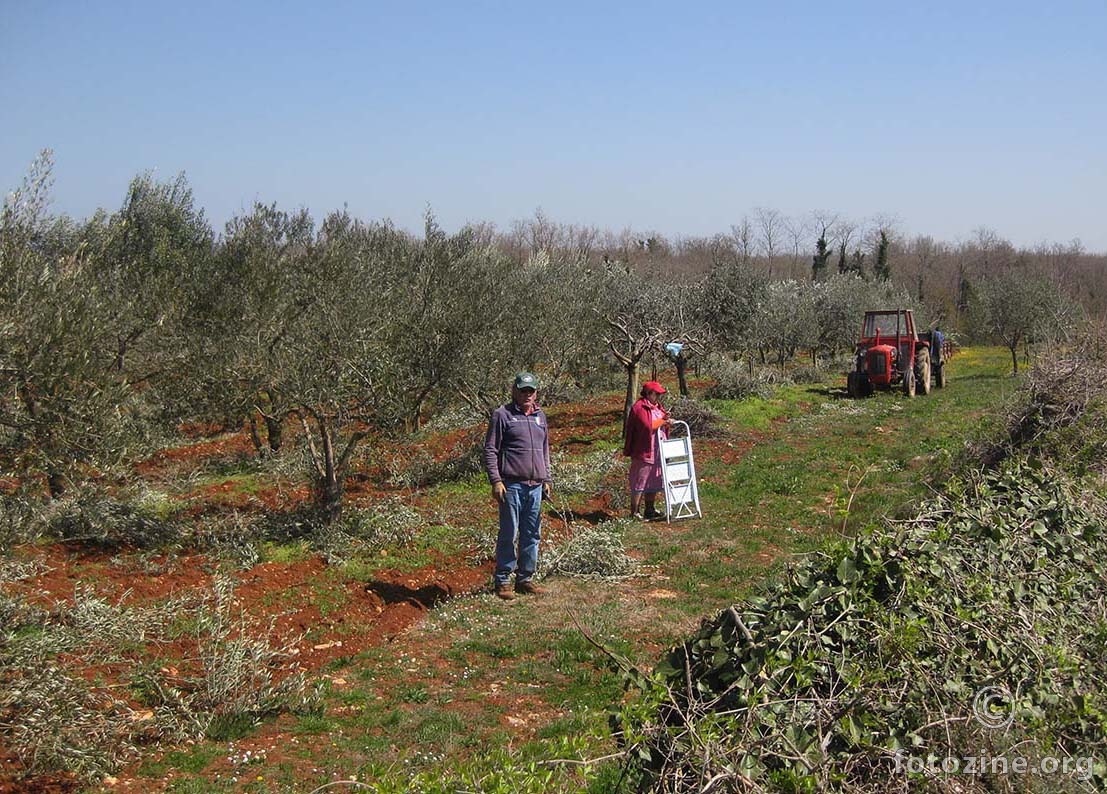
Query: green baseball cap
{"points": [[526, 380]]}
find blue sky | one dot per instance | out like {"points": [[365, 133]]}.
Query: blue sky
{"points": [[666, 117]]}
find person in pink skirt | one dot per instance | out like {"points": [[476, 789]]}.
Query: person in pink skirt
{"points": [[640, 445]]}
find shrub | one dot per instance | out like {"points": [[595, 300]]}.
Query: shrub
{"points": [[877, 647], [578, 475], [594, 553], [387, 524], [97, 519], [1058, 415], [421, 469], [21, 520], [734, 382]]}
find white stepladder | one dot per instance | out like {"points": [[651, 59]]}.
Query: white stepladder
{"points": [[678, 471]]}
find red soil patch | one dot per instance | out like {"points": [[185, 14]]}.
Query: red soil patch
{"points": [[226, 446], [728, 451]]}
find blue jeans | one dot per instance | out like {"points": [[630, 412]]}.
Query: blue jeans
{"points": [[520, 520]]}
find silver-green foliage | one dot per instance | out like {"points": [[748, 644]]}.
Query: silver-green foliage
{"points": [[732, 380], [388, 524], [593, 552]]}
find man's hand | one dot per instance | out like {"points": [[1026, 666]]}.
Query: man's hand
{"points": [[546, 490], [499, 491]]}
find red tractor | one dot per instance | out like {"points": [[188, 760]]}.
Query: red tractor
{"points": [[890, 353]]}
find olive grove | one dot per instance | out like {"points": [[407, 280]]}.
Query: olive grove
{"points": [[117, 330]]}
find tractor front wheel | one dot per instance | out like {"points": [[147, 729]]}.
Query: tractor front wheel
{"points": [[940, 376], [909, 383]]}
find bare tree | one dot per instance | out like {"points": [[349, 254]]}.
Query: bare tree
{"points": [[770, 227], [743, 237], [798, 231]]}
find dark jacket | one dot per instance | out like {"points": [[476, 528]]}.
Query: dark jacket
{"points": [[517, 446]]}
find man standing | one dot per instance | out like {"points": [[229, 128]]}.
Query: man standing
{"points": [[517, 459]]}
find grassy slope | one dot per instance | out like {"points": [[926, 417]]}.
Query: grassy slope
{"points": [[490, 693]]}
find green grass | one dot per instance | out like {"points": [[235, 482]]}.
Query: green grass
{"points": [[752, 414], [193, 760], [286, 553]]}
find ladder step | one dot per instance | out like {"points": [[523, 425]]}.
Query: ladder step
{"points": [[678, 471], [676, 448]]}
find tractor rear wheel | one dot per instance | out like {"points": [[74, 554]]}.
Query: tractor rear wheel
{"points": [[924, 371], [940, 376]]}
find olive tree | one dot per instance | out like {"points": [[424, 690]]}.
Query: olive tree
{"points": [[1015, 309], [447, 296], [333, 362], [640, 319], [556, 321], [786, 320], [149, 254], [728, 303], [63, 404], [840, 302], [254, 290]]}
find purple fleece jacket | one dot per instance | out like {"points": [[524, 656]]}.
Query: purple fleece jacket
{"points": [[517, 446]]}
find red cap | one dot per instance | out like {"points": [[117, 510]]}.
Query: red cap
{"points": [[654, 386]]}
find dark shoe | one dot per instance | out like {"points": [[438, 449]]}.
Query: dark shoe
{"points": [[528, 588], [652, 515], [504, 591]]}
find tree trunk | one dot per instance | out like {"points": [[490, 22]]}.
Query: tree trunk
{"points": [[632, 390], [255, 437], [329, 482], [682, 379], [328, 496], [330, 466], [274, 430], [57, 483]]}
